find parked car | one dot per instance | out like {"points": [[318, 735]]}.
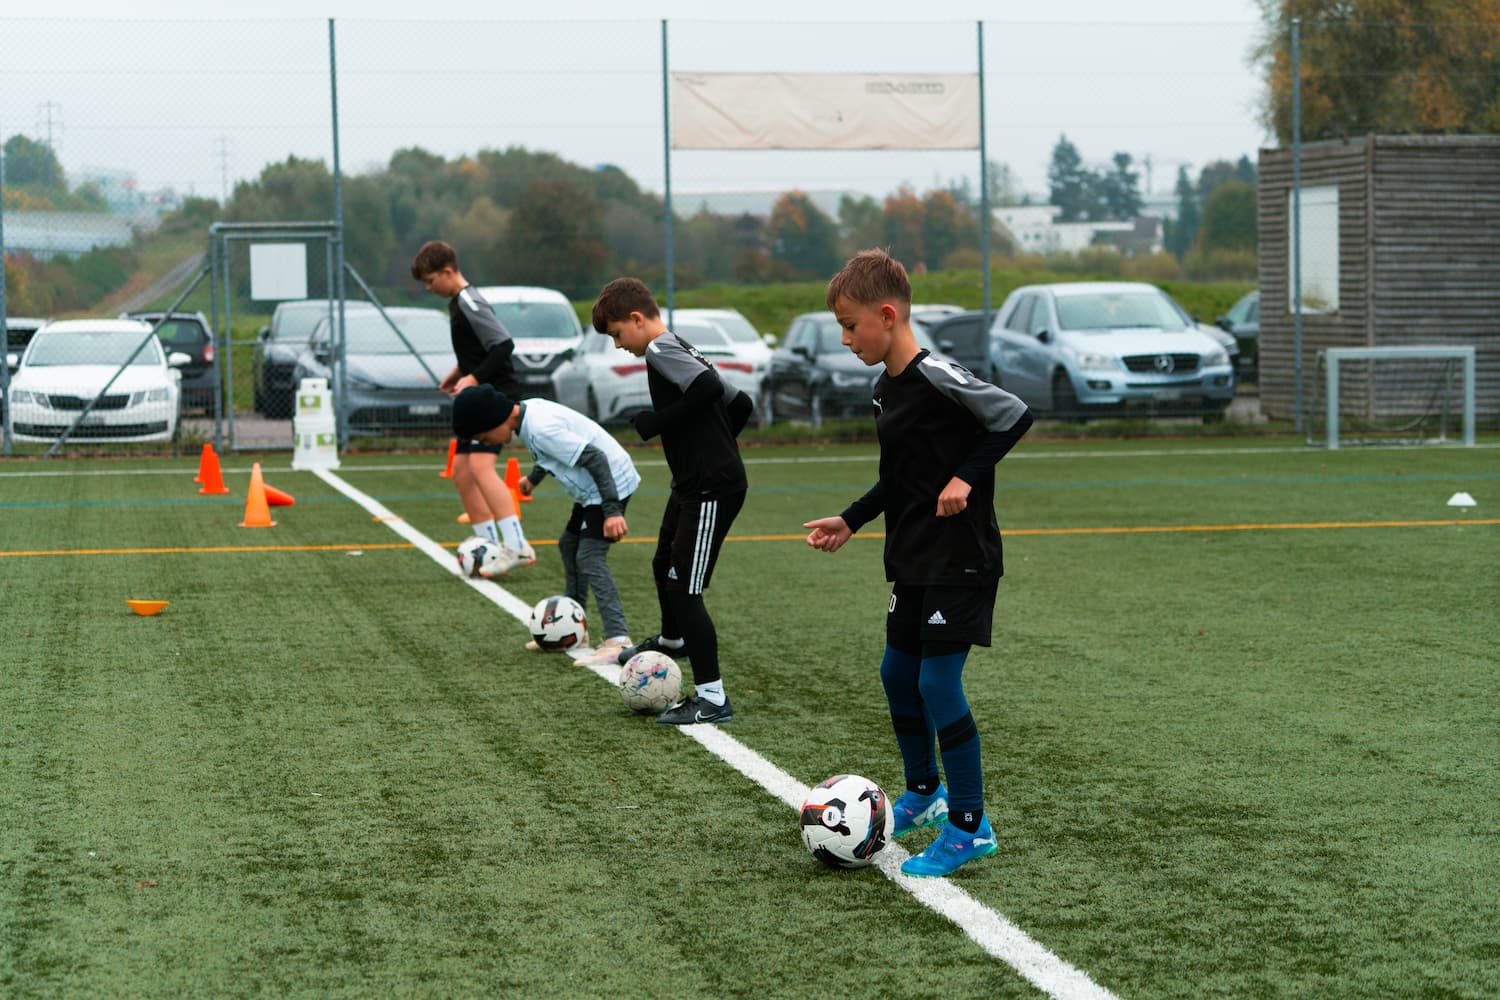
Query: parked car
{"points": [[19, 330], [68, 363], [1093, 348], [1225, 340], [278, 345], [813, 376], [388, 387], [545, 328], [609, 384], [1242, 322], [190, 333], [962, 336]]}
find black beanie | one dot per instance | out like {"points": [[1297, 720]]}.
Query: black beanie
{"points": [[479, 408]]}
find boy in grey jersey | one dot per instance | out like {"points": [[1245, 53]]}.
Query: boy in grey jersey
{"points": [[698, 415]]}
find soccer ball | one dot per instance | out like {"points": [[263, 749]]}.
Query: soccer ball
{"points": [[845, 821], [650, 681], [475, 554], [557, 623]]}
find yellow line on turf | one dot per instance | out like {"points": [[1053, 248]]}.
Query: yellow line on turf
{"points": [[1146, 529]]}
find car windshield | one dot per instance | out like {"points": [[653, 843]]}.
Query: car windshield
{"points": [[1118, 311], [91, 347], [830, 336], [537, 320], [737, 328], [371, 334], [181, 334], [700, 334], [296, 325]]}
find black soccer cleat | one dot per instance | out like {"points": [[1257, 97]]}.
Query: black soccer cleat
{"points": [[652, 645], [695, 710]]}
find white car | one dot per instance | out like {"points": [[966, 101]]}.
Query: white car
{"points": [[545, 328], [609, 384], [68, 363]]}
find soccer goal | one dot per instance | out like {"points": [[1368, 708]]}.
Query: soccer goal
{"points": [[1392, 395]]}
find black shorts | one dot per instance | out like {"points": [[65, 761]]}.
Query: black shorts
{"points": [[470, 446], [939, 614], [693, 530], [588, 522]]}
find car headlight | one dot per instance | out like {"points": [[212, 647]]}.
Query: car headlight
{"points": [[850, 378], [1090, 360], [361, 384], [1216, 359], [149, 396], [23, 396]]}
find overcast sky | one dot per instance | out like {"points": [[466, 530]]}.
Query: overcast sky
{"points": [[195, 96]]}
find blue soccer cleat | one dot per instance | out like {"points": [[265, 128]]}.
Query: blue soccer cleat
{"points": [[952, 848], [912, 810]]}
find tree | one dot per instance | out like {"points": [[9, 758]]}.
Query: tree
{"points": [[947, 226], [29, 163], [555, 238], [1120, 190], [1229, 218], [1068, 182], [904, 215], [861, 224], [1182, 232], [1395, 66], [802, 237]]}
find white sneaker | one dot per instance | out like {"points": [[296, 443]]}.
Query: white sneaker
{"points": [[507, 560], [608, 652]]}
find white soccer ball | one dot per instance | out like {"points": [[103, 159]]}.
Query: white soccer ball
{"points": [[558, 623], [846, 821], [477, 553], [650, 682]]}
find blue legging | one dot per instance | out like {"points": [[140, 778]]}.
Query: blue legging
{"points": [[929, 710]]}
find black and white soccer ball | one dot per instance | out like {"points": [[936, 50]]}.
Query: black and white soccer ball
{"points": [[846, 821], [650, 682], [558, 623], [476, 554]]}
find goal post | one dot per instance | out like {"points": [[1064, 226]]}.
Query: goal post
{"points": [[1396, 383]]}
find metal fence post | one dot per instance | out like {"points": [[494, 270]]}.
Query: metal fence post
{"points": [[666, 142], [341, 368], [4, 369], [1297, 218]]}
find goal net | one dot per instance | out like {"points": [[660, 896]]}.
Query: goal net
{"points": [[1392, 395]]}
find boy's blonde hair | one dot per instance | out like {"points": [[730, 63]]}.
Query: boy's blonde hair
{"points": [[871, 277]]}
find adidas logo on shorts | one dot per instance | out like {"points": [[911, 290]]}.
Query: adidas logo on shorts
{"points": [[937, 619]]}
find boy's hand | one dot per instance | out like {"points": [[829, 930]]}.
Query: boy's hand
{"points": [[525, 486], [647, 424], [464, 383], [828, 533], [954, 498], [446, 385], [615, 528]]}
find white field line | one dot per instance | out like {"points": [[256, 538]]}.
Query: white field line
{"points": [[992, 932]]}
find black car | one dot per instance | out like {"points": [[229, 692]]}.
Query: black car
{"points": [[278, 345], [1243, 321], [964, 337], [189, 333], [813, 376]]}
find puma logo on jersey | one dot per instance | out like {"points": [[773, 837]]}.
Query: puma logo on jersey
{"points": [[937, 619]]}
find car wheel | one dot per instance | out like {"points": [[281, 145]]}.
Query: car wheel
{"points": [[767, 407], [1064, 399], [815, 409]]}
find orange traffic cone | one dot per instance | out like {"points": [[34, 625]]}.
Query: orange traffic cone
{"points": [[211, 476], [447, 472], [208, 450], [463, 518], [276, 498], [257, 512], [513, 480]]}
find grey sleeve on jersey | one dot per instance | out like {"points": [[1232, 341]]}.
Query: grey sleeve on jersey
{"points": [[672, 360], [487, 327], [596, 463], [995, 409]]}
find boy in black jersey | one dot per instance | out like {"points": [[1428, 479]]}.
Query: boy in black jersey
{"points": [[941, 431], [698, 416], [482, 347]]}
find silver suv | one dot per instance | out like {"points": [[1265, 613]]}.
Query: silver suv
{"points": [[1094, 348]]}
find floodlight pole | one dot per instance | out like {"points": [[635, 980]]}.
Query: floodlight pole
{"points": [[1297, 217], [984, 191], [666, 141]]}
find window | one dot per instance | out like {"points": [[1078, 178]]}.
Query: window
{"points": [[1020, 317], [1319, 249]]}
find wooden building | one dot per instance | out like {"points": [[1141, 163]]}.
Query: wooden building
{"points": [[1400, 247]]}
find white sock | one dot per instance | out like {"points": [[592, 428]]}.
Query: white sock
{"points": [[673, 643], [510, 533], [712, 692], [487, 529]]}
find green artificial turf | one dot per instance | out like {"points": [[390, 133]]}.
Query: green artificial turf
{"points": [[1248, 762]]}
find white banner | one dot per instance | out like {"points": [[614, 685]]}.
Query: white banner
{"points": [[825, 110]]}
